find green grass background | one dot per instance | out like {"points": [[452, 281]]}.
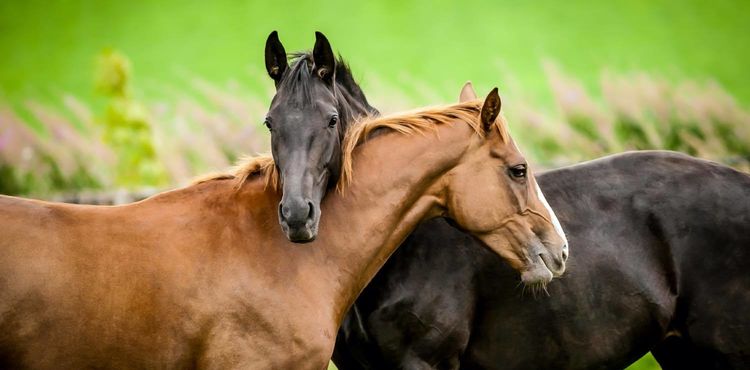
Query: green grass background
{"points": [[48, 48]]}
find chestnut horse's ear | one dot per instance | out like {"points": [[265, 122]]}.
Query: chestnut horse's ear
{"points": [[467, 93], [276, 62], [490, 110], [325, 62]]}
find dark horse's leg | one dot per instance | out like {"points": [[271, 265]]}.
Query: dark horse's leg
{"points": [[675, 353], [354, 350], [420, 343], [391, 327]]}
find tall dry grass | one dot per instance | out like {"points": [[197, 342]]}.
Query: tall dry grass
{"points": [[635, 111], [195, 133], [209, 126]]}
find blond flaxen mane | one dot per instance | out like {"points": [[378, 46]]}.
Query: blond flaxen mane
{"points": [[246, 168], [409, 123]]}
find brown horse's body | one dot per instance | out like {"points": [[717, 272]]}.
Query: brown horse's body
{"points": [[170, 282], [203, 277]]}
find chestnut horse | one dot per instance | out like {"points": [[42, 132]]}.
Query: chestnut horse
{"points": [[661, 252], [660, 260], [202, 277]]}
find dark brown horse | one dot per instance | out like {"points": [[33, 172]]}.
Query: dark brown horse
{"points": [[202, 277], [316, 101]]}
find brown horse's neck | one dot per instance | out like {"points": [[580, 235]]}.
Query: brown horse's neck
{"points": [[397, 183]]}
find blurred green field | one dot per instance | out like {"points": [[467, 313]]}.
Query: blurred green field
{"points": [[625, 75], [49, 47]]}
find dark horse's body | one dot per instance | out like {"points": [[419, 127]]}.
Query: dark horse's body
{"points": [[660, 247]]}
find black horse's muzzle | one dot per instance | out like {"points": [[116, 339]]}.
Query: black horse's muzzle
{"points": [[299, 219]]}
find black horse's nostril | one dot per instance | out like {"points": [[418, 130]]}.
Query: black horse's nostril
{"points": [[296, 212], [311, 210]]}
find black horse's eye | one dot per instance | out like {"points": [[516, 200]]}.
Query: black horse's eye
{"points": [[518, 171], [333, 121], [267, 123]]}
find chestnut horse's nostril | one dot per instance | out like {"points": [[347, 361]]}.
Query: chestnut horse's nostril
{"points": [[565, 253]]}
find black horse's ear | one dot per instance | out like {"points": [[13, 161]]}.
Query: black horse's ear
{"points": [[325, 62], [276, 62], [490, 110]]}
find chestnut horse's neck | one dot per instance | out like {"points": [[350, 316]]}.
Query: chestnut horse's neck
{"points": [[398, 180], [397, 184]]}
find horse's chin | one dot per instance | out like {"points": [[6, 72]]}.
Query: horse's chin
{"points": [[536, 274], [301, 235]]}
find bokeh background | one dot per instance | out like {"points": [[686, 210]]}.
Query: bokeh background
{"points": [[107, 101]]}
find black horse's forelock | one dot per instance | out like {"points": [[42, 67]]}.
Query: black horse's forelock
{"points": [[297, 81]]}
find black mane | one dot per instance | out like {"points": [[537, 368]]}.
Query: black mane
{"points": [[345, 78]]}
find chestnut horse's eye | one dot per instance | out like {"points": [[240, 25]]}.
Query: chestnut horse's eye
{"points": [[518, 171], [333, 121]]}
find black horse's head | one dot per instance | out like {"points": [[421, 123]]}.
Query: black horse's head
{"points": [[316, 99]]}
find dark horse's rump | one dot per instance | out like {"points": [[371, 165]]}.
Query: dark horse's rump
{"points": [[659, 246]]}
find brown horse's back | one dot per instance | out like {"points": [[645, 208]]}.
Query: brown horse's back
{"points": [[87, 277]]}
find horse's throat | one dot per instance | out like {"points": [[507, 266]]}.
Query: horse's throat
{"points": [[397, 184]]}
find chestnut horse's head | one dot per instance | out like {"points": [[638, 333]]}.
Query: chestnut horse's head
{"points": [[493, 195], [316, 99]]}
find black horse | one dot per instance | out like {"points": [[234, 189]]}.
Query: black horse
{"points": [[316, 100], [660, 247]]}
